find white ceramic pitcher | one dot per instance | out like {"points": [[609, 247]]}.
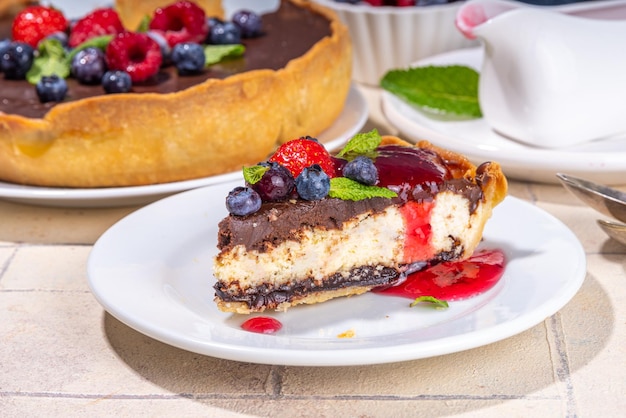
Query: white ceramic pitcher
{"points": [[548, 79]]}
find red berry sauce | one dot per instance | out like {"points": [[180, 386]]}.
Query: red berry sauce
{"points": [[451, 281], [262, 325]]}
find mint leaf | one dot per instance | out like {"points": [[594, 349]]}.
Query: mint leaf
{"points": [[216, 53], [361, 144], [50, 60], [253, 174], [436, 303], [348, 189], [100, 42], [144, 24], [443, 92]]}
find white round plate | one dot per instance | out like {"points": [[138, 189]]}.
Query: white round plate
{"points": [[601, 161], [153, 271], [349, 122]]}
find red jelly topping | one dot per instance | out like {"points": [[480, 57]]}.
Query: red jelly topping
{"points": [[453, 280], [262, 325]]}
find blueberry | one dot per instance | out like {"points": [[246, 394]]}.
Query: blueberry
{"points": [[224, 33], [166, 49], [361, 169], [17, 60], [51, 88], [116, 82], [276, 184], [248, 22], [188, 58], [242, 201], [313, 183], [89, 65]]}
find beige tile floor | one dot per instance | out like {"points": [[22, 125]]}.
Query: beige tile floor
{"points": [[61, 354]]}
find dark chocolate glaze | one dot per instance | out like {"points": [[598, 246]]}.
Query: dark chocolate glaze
{"points": [[287, 33]]}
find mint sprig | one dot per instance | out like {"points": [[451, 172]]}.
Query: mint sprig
{"points": [[216, 53], [432, 301], [253, 174], [361, 144], [348, 189], [50, 60], [441, 92]]}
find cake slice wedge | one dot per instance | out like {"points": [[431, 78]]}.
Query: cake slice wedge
{"points": [[424, 205]]}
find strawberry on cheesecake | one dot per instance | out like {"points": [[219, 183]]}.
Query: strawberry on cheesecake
{"points": [[308, 226]]}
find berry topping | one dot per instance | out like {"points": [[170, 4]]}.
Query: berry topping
{"points": [[361, 169], [297, 154], [88, 66], [17, 60], [313, 183], [34, 23], [188, 58], [276, 184], [180, 22], [248, 22], [224, 33], [116, 82], [242, 201], [136, 53], [97, 23], [51, 88]]}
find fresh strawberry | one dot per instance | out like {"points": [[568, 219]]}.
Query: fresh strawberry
{"points": [[298, 154], [34, 23], [180, 22], [97, 23], [136, 53]]}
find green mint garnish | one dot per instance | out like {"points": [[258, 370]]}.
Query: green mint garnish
{"points": [[100, 42], [433, 301], [442, 92], [253, 174], [216, 53], [50, 60], [144, 25], [361, 144], [348, 189]]}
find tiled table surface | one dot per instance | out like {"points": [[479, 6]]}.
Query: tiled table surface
{"points": [[61, 354]]}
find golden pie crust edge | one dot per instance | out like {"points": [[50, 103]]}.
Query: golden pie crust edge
{"points": [[212, 128]]}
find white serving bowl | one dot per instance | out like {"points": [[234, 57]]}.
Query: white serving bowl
{"points": [[387, 37]]}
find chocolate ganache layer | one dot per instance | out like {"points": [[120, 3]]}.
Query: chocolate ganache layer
{"points": [[287, 33]]}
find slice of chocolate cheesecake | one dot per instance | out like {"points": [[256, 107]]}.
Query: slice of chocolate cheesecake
{"points": [[426, 205]]}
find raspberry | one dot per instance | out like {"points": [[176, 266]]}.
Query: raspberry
{"points": [[180, 22], [34, 23], [136, 53], [300, 153], [97, 23]]}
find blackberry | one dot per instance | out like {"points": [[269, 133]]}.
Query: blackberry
{"points": [[116, 82], [17, 60], [313, 183], [188, 58], [51, 89], [248, 22], [242, 201], [89, 65], [361, 169]]}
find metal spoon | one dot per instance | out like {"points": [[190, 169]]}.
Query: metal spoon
{"points": [[615, 230], [604, 199]]}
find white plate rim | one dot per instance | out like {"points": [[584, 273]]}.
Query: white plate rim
{"points": [[108, 265], [352, 118], [518, 160]]}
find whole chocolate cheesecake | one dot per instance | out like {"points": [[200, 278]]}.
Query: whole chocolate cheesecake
{"points": [[426, 205], [292, 80]]}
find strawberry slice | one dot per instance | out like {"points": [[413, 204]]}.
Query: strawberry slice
{"points": [[180, 22], [34, 23], [300, 153], [100, 22]]}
